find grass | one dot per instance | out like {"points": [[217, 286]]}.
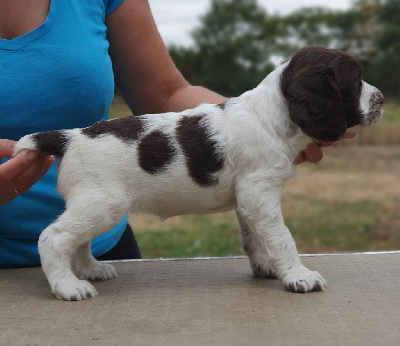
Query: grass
{"points": [[335, 226], [195, 236], [326, 227], [391, 111], [118, 108]]}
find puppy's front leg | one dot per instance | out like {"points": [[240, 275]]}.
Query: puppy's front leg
{"points": [[256, 249], [259, 204]]}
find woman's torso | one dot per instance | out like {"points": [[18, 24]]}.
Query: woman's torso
{"points": [[55, 72]]}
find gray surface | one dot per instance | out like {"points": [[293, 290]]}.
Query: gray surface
{"points": [[209, 302]]}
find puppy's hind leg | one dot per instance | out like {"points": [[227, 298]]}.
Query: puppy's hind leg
{"points": [[256, 249], [60, 243], [56, 248]]}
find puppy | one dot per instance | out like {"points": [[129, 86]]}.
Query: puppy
{"points": [[235, 155]]}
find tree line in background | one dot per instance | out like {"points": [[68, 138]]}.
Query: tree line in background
{"points": [[238, 43]]}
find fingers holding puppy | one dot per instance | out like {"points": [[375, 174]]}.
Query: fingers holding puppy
{"points": [[18, 174], [313, 152]]}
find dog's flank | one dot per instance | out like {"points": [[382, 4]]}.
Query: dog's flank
{"points": [[236, 155]]}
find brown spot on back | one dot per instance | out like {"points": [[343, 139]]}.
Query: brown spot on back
{"points": [[127, 129], [202, 157], [156, 151]]}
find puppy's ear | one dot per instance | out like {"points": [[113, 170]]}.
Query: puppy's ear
{"points": [[315, 104]]}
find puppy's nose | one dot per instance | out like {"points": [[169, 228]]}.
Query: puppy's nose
{"points": [[377, 98]]}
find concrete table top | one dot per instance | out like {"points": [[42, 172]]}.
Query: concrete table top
{"points": [[209, 302]]}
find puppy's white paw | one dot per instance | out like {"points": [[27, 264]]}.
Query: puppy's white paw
{"points": [[97, 271], [303, 280], [73, 289]]}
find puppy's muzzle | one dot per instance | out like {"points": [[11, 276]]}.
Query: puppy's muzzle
{"points": [[375, 110]]}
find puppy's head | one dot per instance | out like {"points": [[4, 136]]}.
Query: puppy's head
{"points": [[326, 95]]}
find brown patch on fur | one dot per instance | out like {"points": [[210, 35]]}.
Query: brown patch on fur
{"points": [[156, 152], [202, 157], [127, 129], [322, 87]]}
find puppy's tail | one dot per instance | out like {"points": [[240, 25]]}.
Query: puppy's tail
{"points": [[50, 143]]}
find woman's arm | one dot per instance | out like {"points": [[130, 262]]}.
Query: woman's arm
{"points": [[144, 72]]}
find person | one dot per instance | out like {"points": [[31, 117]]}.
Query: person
{"points": [[58, 63]]}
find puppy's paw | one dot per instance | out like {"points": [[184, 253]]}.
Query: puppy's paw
{"points": [[73, 289], [97, 271], [303, 280]]}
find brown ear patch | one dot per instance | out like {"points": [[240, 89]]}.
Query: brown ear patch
{"points": [[156, 151], [202, 157], [127, 129], [322, 87]]}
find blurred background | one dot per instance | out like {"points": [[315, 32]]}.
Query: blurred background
{"points": [[350, 201]]}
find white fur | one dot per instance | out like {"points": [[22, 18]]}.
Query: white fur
{"points": [[366, 105], [101, 181]]}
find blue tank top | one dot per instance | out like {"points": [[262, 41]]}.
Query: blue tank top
{"points": [[58, 76]]}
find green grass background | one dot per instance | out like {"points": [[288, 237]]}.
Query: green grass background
{"points": [[327, 227]]}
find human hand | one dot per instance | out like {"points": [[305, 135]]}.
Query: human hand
{"points": [[18, 174], [313, 152]]}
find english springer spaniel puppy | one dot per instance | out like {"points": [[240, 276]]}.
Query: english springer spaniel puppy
{"points": [[236, 155]]}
